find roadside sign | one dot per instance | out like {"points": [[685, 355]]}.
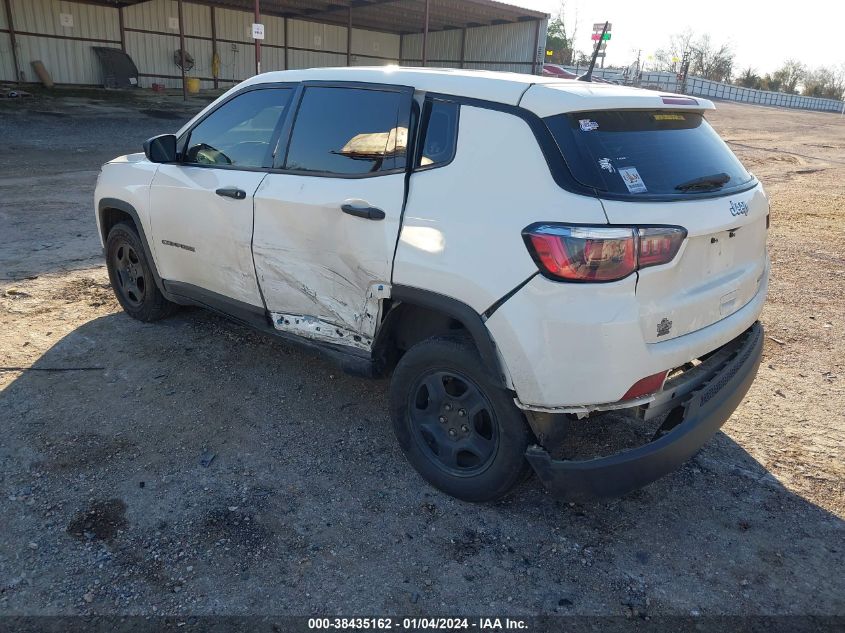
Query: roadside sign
{"points": [[598, 29], [258, 31]]}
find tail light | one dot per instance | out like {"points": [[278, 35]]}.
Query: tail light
{"points": [[600, 253]]}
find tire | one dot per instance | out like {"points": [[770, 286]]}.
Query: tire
{"points": [[131, 276], [459, 430]]}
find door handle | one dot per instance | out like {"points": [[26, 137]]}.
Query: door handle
{"points": [[368, 213], [231, 192]]}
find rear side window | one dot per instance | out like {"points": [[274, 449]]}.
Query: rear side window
{"points": [[635, 153], [238, 133], [439, 134], [347, 131]]}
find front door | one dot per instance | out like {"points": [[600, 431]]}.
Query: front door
{"points": [[201, 209], [326, 226]]}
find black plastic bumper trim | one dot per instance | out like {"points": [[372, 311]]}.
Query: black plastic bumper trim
{"points": [[706, 410]]}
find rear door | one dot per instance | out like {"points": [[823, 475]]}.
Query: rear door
{"points": [[669, 167], [327, 219]]}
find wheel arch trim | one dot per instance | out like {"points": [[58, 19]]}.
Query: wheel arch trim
{"points": [[103, 205], [461, 312]]}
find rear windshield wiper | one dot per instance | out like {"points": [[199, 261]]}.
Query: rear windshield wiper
{"points": [[714, 181]]}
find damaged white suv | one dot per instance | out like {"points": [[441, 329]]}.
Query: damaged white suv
{"points": [[519, 252]]}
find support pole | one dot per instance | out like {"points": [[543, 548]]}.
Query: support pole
{"points": [[536, 45], [349, 34], [287, 35], [214, 52], [13, 40], [122, 26], [425, 33], [182, 50], [401, 49], [257, 42], [463, 45]]}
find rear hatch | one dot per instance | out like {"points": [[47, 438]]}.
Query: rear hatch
{"points": [[669, 167]]}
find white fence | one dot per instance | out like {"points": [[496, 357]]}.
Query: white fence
{"points": [[717, 90]]}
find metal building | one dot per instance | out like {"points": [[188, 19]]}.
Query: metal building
{"points": [[297, 34]]}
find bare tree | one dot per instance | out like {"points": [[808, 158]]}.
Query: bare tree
{"points": [[710, 61], [669, 57], [826, 82], [789, 75]]}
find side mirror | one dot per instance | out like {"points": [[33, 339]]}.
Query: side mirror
{"points": [[161, 149]]}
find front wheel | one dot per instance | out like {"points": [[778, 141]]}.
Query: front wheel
{"points": [[458, 429], [131, 276]]}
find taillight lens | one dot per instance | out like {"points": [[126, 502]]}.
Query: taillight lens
{"points": [[584, 253], [600, 253], [659, 244]]}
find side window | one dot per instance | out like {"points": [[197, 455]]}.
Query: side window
{"points": [[238, 133], [439, 134], [347, 131]]}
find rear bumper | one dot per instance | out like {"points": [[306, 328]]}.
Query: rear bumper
{"points": [[702, 408], [567, 347]]}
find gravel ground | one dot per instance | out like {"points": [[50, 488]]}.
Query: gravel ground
{"points": [[193, 466]]}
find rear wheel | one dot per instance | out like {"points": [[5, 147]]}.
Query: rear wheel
{"points": [[458, 429], [131, 276]]}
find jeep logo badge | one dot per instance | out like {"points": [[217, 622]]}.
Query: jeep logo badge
{"points": [[664, 327], [739, 208]]}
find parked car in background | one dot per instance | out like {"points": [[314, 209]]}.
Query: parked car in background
{"points": [[555, 70], [517, 253]]}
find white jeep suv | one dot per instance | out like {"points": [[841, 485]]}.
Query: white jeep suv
{"points": [[519, 252]]}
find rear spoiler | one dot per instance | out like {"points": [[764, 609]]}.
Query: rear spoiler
{"points": [[548, 99]]}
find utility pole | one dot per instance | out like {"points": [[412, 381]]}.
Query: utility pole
{"points": [[257, 41], [182, 51]]}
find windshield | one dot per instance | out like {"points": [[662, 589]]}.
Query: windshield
{"points": [[635, 153]]}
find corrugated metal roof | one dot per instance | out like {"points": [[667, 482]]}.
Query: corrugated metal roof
{"points": [[393, 16]]}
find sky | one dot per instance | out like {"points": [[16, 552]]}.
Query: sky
{"points": [[762, 34]]}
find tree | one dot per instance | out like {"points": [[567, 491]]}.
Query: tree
{"points": [[770, 82], [825, 82], [560, 35], [749, 78], [665, 58], [706, 59], [710, 61], [789, 75]]}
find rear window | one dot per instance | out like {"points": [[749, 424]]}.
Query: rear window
{"points": [[636, 153]]}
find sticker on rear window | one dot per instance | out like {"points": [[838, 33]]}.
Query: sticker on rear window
{"points": [[588, 125], [605, 164], [669, 117], [631, 178]]}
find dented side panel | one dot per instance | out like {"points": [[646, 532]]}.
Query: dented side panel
{"points": [[359, 337], [313, 260]]}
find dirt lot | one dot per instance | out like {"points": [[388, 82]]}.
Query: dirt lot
{"points": [[110, 504]]}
